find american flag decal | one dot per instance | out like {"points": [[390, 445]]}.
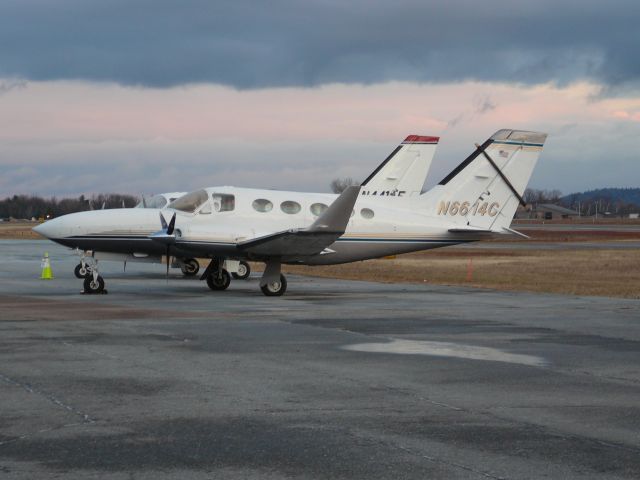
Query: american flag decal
{"points": [[504, 153]]}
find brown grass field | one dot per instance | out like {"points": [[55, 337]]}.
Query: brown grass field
{"points": [[18, 230], [602, 271]]}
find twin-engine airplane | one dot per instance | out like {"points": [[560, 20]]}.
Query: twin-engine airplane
{"points": [[404, 171], [476, 200]]}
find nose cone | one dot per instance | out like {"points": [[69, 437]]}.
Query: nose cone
{"points": [[50, 229]]}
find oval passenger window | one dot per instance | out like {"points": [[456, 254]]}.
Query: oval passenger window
{"points": [[262, 205], [366, 213], [318, 209], [290, 207]]}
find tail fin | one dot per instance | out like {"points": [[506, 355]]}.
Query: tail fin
{"points": [[483, 192], [404, 171]]}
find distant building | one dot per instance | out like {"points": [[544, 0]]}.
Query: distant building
{"points": [[545, 211], [549, 211]]}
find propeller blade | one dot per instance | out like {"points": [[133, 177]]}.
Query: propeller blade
{"points": [[163, 222], [172, 224]]}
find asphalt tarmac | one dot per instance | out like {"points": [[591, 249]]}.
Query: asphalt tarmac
{"points": [[336, 379]]}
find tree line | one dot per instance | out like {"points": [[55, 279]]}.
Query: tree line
{"points": [[31, 206]]}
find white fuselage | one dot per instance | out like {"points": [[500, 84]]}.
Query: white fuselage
{"points": [[380, 225]]}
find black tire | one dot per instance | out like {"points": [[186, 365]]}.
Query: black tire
{"points": [[275, 289], [219, 282], [190, 267], [78, 271], [244, 270], [93, 287]]}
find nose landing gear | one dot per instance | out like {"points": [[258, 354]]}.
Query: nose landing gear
{"points": [[81, 269], [93, 282]]}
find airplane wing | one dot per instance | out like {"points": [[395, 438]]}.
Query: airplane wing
{"points": [[308, 241]]}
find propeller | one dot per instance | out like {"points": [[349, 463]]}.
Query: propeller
{"points": [[166, 236]]}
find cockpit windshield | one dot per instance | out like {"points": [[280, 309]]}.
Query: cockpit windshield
{"points": [[157, 201], [190, 202]]}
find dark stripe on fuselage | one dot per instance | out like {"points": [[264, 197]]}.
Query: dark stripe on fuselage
{"points": [[399, 240], [205, 242]]}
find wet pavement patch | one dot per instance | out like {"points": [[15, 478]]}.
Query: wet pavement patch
{"points": [[446, 349]]}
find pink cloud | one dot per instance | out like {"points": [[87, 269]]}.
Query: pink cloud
{"points": [[83, 112], [309, 135]]}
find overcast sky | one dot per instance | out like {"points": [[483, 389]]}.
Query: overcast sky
{"points": [[158, 95]]}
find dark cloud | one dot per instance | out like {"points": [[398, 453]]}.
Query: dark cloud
{"points": [[255, 44]]}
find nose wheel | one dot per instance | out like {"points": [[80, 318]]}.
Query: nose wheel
{"points": [[93, 282], [80, 271], [94, 285]]}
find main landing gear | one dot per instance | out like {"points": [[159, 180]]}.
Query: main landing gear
{"points": [[276, 288], [189, 267], [273, 283], [244, 270]]}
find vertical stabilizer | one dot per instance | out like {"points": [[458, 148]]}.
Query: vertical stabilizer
{"points": [[404, 172], [484, 191]]}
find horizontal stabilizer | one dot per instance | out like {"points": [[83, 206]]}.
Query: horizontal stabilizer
{"points": [[515, 232], [309, 241], [505, 230]]}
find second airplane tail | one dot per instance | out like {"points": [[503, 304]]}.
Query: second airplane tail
{"points": [[483, 192], [404, 171]]}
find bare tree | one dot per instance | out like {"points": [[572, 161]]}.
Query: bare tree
{"points": [[338, 185]]}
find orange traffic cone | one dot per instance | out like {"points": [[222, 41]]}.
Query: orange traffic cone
{"points": [[46, 268]]}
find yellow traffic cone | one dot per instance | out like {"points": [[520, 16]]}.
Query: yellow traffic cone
{"points": [[46, 268]]}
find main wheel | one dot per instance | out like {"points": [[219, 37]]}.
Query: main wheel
{"points": [[275, 289], [93, 286], [244, 270], [190, 267], [80, 271], [219, 281]]}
